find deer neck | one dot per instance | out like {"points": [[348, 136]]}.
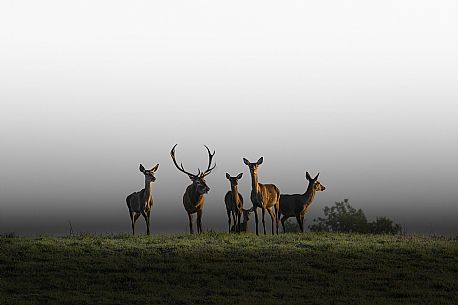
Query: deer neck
{"points": [[235, 194], [254, 182], [195, 196], [309, 195], [148, 190]]}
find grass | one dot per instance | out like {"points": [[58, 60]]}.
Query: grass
{"points": [[221, 268]]}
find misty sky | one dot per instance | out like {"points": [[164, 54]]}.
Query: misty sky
{"points": [[364, 92]]}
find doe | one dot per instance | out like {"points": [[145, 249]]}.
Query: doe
{"points": [[234, 202], [141, 202], [298, 204]]}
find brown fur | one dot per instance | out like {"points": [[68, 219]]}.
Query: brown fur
{"points": [[193, 202], [245, 219], [298, 204], [264, 196], [234, 202], [193, 198], [141, 202]]}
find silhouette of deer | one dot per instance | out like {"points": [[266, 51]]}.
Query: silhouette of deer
{"points": [[264, 196], [193, 197], [246, 218], [234, 202], [298, 204], [141, 202]]}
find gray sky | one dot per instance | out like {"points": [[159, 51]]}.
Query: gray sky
{"points": [[364, 92]]}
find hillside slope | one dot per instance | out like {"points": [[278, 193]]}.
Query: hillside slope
{"points": [[221, 268]]}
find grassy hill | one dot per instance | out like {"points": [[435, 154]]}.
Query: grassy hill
{"points": [[219, 268]]}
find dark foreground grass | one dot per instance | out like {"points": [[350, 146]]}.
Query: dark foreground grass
{"points": [[218, 268]]}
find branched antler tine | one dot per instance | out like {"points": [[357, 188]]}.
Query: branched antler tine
{"points": [[210, 158], [208, 149], [172, 154]]}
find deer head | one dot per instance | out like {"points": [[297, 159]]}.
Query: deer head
{"points": [[197, 179], [317, 186], [246, 214], [149, 173], [253, 166], [234, 180]]}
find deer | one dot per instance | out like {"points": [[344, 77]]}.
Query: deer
{"points": [[234, 202], [264, 196], [244, 223], [246, 218], [193, 197], [141, 202], [298, 204]]}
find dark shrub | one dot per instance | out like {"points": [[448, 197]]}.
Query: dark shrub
{"points": [[342, 217]]}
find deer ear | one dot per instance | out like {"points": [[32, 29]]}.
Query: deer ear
{"points": [[307, 176], [191, 177], [260, 160], [155, 168], [316, 177], [142, 168], [240, 176], [246, 161], [227, 176]]}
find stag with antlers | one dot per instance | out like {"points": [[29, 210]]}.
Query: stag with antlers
{"points": [[141, 202], [193, 198]]}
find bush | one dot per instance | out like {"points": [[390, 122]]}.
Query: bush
{"points": [[342, 217], [384, 225]]}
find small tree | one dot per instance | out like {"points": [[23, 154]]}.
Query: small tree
{"points": [[342, 217], [384, 225]]}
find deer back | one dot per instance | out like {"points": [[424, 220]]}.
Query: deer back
{"points": [[267, 195], [291, 205]]}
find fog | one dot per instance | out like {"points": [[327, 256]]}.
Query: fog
{"points": [[362, 92]]}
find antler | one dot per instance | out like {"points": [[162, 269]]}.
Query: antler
{"points": [[181, 169], [210, 158]]}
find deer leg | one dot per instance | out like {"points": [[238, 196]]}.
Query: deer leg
{"points": [[264, 219], [199, 221], [190, 223], [234, 218], [229, 220], [299, 221], [272, 218], [283, 219], [256, 219], [132, 221], [302, 223], [277, 216], [134, 216], [147, 222], [239, 215]]}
